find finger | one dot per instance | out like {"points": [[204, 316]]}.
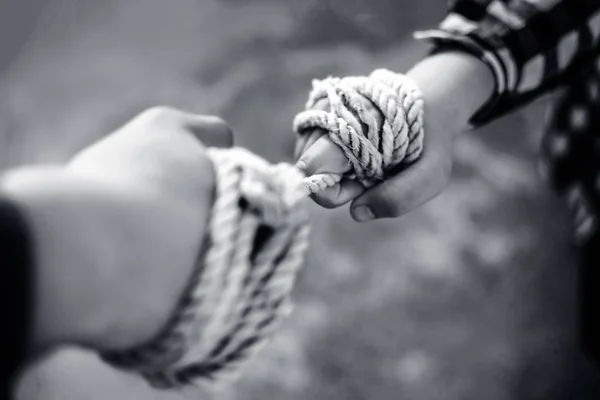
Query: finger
{"points": [[340, 194], [323, 157], [212, 131], [306, 140], [407, 190]]}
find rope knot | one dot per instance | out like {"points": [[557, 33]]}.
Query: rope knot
{"points": [[262, 202], [376, 120], [271, 192]]}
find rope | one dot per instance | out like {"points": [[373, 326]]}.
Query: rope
{"points": [[374, 148], [240, 291], [258, 230]]}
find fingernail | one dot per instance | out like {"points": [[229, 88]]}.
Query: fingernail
{"points": [[363, 213]]}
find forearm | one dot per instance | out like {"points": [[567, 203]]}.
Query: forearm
{"points": [[454, 86], [531, 47], [90, 239]]}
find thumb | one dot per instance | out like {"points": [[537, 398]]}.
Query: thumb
{"points": [[323, 156], [407, 190]]}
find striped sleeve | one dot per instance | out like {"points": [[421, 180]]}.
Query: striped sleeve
{"points": [[531, 46]]}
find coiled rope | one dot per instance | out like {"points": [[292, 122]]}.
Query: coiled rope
{"points": [[258, 234], [373, 148]]}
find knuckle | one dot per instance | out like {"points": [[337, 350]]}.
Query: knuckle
{"points": [[389, 209], [212, 130], [163, 115], [221, 128], [385, 204], [305, 162], [215, 122]]}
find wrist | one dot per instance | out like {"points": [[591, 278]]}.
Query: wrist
{"points": [[455, 85], [111, 261]]}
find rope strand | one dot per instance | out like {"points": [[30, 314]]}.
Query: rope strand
{"points": [[372, 149], [258, 235], [258, 232]]}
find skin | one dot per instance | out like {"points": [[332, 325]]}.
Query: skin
{"points": [[117, 230], [450, 100]]}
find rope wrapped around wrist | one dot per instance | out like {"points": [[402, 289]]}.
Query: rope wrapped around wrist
{"points": [[240, 291], [258, 232], [373, 150]]}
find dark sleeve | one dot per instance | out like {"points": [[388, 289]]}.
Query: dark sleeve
{"points": [[589, 298], [531, 46], [15, 290]]}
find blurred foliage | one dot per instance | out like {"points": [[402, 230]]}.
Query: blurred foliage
{"points": [[470, 297]]}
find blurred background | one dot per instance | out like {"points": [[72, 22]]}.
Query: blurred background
{"points": [[470, 297]]}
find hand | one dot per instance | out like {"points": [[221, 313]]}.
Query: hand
{"points": [[118, 229], [450, 100]]}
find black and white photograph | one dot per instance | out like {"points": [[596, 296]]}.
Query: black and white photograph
{"points": [[300, 199]]}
